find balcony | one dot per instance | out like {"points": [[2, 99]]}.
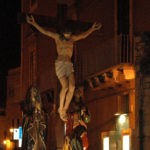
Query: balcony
{"points": [[124, 52], [119, 74]]}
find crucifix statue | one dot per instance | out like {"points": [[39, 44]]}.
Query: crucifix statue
{"points": [[64, 40]]}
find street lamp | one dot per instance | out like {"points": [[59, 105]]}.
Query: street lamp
{"points": [[11, 130]]}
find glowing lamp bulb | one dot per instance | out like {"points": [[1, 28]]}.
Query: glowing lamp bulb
{"points": [[5, 142], [11, 130], [122, 119]]}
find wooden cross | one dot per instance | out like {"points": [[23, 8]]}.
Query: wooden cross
{"points": [[58, 23]]}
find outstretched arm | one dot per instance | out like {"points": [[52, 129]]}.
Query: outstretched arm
{"points": [[31, 21], [85, 34]]}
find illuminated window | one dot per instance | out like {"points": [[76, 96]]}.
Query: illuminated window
{"points": [[106, 143], [126, 142], [126, 134], [105, 140]]}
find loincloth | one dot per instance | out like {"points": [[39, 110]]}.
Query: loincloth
{"points": [[63, 68]]}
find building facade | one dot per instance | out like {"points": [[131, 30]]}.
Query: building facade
{"points": [[12, 118], [104, 66]]}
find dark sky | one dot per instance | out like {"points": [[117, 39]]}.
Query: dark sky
{"points": [[9, 42], [9, 34]]}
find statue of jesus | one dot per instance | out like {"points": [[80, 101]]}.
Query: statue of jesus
{"points": [[63, 65]]}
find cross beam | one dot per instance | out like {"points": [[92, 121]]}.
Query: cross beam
{"points": [[58, 23]]}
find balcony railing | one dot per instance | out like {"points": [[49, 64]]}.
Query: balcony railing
{"points": [[125, 50]]}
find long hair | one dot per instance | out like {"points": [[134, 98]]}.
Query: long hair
{"points": [[64, 30], [29, 103], [77, 103]]}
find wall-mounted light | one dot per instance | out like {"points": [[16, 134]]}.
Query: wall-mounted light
{"points": [[4, 142], [117, 114], [122, 118], [122, 121], [11, 130], [7, 143]]}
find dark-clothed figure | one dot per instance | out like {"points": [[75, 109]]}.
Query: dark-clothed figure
{"points": [[34, 122]]}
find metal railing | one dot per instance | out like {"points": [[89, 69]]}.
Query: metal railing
{"points": [[125, 52]]}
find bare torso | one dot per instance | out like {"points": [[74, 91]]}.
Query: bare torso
{"points": [[64, 49]]}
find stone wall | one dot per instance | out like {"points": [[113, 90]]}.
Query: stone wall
{"points": [[142, 104]]}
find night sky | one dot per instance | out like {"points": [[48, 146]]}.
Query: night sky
{"points": [[9, 42], [9, 34]]}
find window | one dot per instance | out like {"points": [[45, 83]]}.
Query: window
{"points": [[126, 139], [105, 141], [126, 142]]}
